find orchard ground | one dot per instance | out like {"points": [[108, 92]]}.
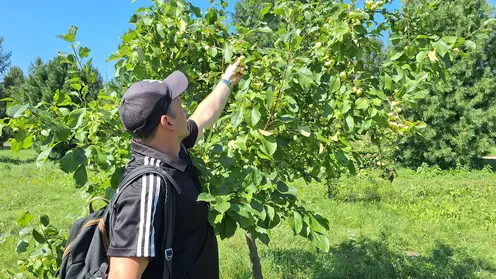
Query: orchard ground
{"points": [[426, 224]]}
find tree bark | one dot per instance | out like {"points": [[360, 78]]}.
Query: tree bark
{"points": [[256, 267]]}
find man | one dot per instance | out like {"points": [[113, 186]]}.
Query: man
{"points": [[152, 111]]}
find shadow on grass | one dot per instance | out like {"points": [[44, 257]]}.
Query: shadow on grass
{"points": [[16, 161], [367, 258]]}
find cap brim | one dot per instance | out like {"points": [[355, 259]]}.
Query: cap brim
{"points": [[177, 82]]}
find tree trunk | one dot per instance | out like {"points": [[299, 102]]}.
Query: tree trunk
{"points": [[256, 267]]}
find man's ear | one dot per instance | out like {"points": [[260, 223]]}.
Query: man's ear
{"points": [[166, 123]]}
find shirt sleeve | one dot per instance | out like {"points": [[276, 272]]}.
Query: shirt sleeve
{"points": [[139, 218], [190, 140]]}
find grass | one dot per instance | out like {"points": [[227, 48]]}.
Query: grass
{"points": [[492, 151], [432, 224]]}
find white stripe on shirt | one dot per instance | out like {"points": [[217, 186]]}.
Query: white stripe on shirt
{"points": [[142, 211], [149, 203]]}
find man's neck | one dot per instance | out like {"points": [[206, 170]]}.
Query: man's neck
{"points": [[169, 146]]}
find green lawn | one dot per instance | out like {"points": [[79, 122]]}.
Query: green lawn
{"points": [[492, 151], [427, 225]]}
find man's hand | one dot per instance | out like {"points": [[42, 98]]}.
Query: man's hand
{"points": [[235, 71]]}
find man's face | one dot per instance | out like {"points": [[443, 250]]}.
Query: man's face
{"points": [[177, 115]]}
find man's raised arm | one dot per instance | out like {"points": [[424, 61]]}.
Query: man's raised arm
{"points": [[210, 109]]}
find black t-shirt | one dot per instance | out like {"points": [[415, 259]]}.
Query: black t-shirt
{"points": [[139, 225]]}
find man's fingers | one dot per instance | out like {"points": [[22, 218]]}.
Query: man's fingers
{"points": [[238, 61]]}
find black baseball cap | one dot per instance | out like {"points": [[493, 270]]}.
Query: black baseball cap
{"points": [[146, 101]]}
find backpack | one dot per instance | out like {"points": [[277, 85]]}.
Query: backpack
{"points": [[85, 255]]}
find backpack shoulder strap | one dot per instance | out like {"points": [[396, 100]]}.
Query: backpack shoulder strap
{"points": [[168, 235], [139, 172]]}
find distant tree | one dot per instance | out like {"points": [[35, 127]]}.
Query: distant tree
{"points": [[45, 79], [461, 112], [4, 58], [4, 64]]}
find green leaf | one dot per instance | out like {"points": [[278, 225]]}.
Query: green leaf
{"points": [[432, 56], [80, 176], [265, 133], [441, 47], [240, 209], [306, 77], [316, 226], [334, 84], [266, 9], [258, 209], [269, 97], [470, 45], [265, 29], [24, 219], [62, 99], [340, 30], [75, 118], [43, 157], [350, 122], [27, 142], [283, 188], [97, 155], [214, 217], [322, 221], [72, 159], [70, 36], [228, 53], [489, 22], [304, 130], [395, 38], [206, 197], [396, 56], [212, 51], [320, 241], [22, 246], [245, 85], [262, 236], [227, 227], [376, 102], [255, 116], [450, 40], [84, 52], [16, 110], [269, 145], [421, 56], [236, 118], [211, 16], [421, 125], [360, 29], [270, 212], [44, 220], [362, 103], [327, 110], [298, 222], [222, 207], [196, 11], [38, 237]]}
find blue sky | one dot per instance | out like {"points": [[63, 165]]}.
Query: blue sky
{"points": [[29, 27]]}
